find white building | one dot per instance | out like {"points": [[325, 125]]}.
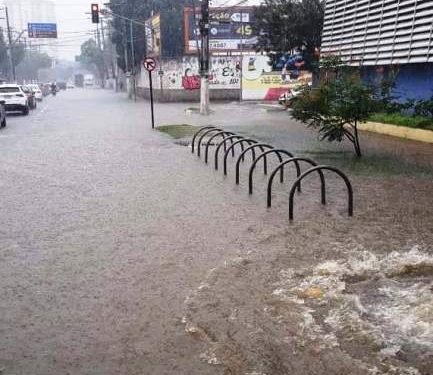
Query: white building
{"points": [[22, 12], [379, 32], [384, 37]]}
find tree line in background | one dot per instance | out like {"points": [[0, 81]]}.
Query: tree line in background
{"points": [[27, 62]]}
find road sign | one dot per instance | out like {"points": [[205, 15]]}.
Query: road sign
{"points": [[149, 64], [42, 30]]}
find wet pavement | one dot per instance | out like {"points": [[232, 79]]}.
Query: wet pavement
{"points": [[122, 253]]}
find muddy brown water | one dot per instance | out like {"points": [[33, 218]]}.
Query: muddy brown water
{"points": [[122, 253]]}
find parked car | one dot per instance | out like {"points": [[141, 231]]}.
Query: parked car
{"points": [[31, 98], [2, 114], [286, 99], [37, 91], [70, 85], [15, 99]]}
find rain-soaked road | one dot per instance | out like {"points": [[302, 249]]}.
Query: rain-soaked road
{"points": [[121, 253]]}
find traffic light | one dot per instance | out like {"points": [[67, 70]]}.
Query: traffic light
{"points": [[95, 13]]}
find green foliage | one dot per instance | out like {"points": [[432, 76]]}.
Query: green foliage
{"points": [[285, 25], [178, 131], [33, 61], [18, 52], [336, 108], [403, 120], [172, 42], [92, 56], [424, 107]]}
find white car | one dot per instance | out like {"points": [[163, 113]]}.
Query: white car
{"points": [[70, 85], [15, 99], [37, 91]]}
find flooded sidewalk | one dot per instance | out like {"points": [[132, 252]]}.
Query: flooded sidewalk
{"points": [[123, 253]]}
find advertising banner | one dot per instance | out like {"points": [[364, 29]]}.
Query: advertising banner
{"points": [[260, 82], [231, 29], [153, 36]]}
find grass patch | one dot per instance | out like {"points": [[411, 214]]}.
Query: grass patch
{"points": [[178, 131], [418, 122]]}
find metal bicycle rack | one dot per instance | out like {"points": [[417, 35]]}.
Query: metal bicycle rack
{"points": [[298, 170], [230, 138], [265, 150], [265, 161], [197, 133], [321, 168], [207, 132], [278, 151], [224, 135], [247, 140]]}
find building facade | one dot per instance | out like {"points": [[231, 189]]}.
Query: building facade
{"points": [[384, 35]]}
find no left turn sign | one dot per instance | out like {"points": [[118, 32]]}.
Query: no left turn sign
{"points": [[149, 64]]}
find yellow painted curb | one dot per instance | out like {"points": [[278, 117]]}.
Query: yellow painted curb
{"points": [[420, 135]]}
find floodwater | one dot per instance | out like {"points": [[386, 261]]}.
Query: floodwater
{"points": [[123, 253]]}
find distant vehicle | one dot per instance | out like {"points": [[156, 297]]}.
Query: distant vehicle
{"points": [[31, 98], [2, 114], [61, 86], [37, 91], [15, 99], [286, 99], [70, 85], [89, 80], [79, 80]]}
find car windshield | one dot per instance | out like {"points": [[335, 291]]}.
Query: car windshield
{"points": [[25, 89], [9, 89], [34, 87]]}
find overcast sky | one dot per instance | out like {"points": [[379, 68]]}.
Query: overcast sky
{"points": [[75, 27]]}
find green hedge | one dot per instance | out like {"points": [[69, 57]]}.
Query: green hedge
{"points": [[403, 120]]}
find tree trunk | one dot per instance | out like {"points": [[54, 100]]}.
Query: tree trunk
{"points": [[356, 143]]}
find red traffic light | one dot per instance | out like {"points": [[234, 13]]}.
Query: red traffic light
{"points": [[95, 13]]}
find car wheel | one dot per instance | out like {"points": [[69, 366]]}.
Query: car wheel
{"points": [[26, 111]]}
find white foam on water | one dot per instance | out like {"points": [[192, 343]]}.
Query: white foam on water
{"points": [[389, 302]]}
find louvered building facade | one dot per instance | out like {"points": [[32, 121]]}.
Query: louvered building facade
{"points": [[383, 35]]}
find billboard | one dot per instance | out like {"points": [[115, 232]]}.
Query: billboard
{"points": [[42, 30], [261, 82], [231, 29], [153, 36]]}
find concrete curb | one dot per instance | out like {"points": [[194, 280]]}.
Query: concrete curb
{"points": [[420, 135]]}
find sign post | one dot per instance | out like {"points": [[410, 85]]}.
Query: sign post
{"points": [[150, 64]]}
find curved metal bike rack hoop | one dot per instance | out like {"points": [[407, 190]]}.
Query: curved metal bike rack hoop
{"points": [[197, 133], [321, 168], [252, 147], [247, 140], [209, 131], [278, 152], [230, 138], [295, 160], [223, 134]]}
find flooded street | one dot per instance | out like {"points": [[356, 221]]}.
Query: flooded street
{"points": [[121, 252]]}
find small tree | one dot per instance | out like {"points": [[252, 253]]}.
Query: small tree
{"points": [[336, 108]]}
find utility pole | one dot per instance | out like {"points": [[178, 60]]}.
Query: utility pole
{"points": [[12, 73], [131, 32], [204, 58]]}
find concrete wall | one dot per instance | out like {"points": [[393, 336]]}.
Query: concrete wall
{"points": [[188, 95], [413, 81]]}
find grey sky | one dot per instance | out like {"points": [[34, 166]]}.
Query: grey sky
{"points": [[75, 26]]}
